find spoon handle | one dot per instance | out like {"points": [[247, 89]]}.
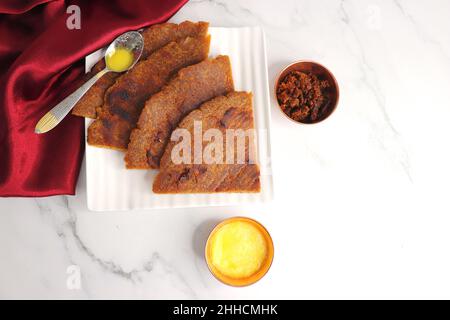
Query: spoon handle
{"points": [[55, 115]]}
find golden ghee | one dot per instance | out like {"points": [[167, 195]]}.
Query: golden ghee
{"points": [[119, 60], [239, 251]]}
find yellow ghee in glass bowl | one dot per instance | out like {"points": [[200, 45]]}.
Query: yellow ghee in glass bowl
{"points": [[239, 251], [119, 60]]}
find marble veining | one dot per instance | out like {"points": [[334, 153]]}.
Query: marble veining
{"points": [[360, 206]]}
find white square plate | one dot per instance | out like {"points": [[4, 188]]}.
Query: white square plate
{"points": [[112, 187]]}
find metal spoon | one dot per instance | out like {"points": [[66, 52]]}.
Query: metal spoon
{"points": [[131, 41]]}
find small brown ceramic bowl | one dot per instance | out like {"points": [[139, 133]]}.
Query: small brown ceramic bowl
{"points": [[323, 74]]}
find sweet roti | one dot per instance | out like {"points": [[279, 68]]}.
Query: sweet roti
{"points": [[125, 99], [192, 86], [233, 111]]}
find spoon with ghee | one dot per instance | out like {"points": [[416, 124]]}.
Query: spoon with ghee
{"points": [[122, 54]]}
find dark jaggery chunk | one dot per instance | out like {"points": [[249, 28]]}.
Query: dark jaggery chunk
{"points": [[303, 96], [155, 37], [125, 99], [192, 86], [233, 111]]}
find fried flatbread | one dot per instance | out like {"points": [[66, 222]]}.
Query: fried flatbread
{"points": [[93, 99], [158, 35], [155, 37], [125, 99], [192, 86], [233, 111]]}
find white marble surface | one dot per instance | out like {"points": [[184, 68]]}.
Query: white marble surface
{"points": [[360, 206]]}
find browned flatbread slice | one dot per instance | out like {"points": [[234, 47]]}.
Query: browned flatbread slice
{"points": [[192, 86], [93, 99], [158, 35], [125, 99], [155, 37], [233, 111]]}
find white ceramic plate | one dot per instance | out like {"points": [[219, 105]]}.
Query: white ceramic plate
{"points": [[112, 187]]}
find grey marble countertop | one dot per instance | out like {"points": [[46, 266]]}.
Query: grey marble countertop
{"points": [[360, 207]]}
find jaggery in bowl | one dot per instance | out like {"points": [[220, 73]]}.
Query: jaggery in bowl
{"points": [[298, 104]]}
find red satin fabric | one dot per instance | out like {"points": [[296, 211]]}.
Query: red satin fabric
{"points": [[41, 62]]}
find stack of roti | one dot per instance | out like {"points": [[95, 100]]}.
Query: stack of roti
{"points": [[172, 89]]}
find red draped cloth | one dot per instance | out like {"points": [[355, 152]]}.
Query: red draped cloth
{"points": [[41, 62]]}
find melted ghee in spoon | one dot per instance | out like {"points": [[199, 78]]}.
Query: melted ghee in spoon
{"points": [[119, 60]]}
